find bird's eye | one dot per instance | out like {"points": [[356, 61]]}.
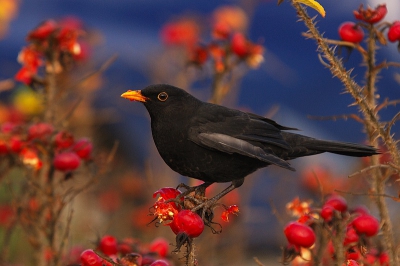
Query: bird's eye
{"points": [[162, 96]]}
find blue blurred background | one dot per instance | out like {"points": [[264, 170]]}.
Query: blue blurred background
{"points": [[291, 77]]}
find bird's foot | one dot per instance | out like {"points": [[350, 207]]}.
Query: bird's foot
{"points": [[198, 190]]}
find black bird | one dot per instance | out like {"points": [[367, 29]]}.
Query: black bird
{"points": [[214, 143]]}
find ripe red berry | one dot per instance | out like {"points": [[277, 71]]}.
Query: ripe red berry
{"points": [[351, 32], [370, 15], [160, 263], [337, 202], [299, 234], [90, 258], [394, 32], [40, 131], [63, 140], [366, 224], [327, 213], [239, 45], [159, 245], [43, 30], [351, 236], [108, 245], [384, 259], [66, 161], [83, 148], [187, 222]]}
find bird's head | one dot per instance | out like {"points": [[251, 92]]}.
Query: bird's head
{"points": [[162, 99]]}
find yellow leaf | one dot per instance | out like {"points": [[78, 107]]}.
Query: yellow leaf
{"points": [[313, 4]]}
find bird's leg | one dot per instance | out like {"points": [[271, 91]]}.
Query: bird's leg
{"points": [[199, 190], [197, 198], [206, 205]]}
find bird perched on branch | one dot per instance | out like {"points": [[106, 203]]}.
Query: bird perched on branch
{"points": [[214, 143]]}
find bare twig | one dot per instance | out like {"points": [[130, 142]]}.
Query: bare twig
{"points": [[367, 169]]}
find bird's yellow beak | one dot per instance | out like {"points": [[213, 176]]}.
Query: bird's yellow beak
{"points": [[134, 96]]}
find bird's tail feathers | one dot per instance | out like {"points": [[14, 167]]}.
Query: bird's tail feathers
{"points": [[342, 148]]}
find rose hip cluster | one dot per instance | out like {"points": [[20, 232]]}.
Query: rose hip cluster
{"points": [[181, 221], [228, 44], [53, 45], [225, 45], [169, 210], [31, 145], [368, 18], [127, 252], [360, 227]]}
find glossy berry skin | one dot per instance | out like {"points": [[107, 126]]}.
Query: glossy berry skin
{"points": [[187, 222], [351, 32], [337, 202], [299, 234], [90, 258], [366, 224], [394, 32], [83, 148], [66, 161], [108, 245]]}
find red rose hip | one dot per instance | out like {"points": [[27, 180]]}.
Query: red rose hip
{"points": [[351, 32], [83, 148], [366, 224], [187, 222], [299, 234], [66, 161], [394, 32]]}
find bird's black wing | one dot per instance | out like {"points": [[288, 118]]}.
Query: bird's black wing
{"points": [[232, 131]]}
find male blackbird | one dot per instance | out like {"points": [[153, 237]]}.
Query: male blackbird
{"points": [[214, 143]]}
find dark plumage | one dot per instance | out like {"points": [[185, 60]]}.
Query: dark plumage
{"points": [[218, 144]]}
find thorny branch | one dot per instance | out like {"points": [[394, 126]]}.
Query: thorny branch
{"points": [[365, 99]]}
